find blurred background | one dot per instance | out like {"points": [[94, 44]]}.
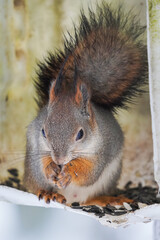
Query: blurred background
{"points": [[34, 223], [28, 31]]}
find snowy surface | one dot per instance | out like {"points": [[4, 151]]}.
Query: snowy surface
{"points": [[145, 214]]}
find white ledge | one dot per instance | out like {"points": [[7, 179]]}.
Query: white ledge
{"points": [[144, 215]]}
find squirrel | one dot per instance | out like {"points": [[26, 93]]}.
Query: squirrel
{"points": [[75, 144]]}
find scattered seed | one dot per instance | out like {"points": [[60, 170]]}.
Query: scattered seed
{"points": [[13, 172], [112, 208], [15, 180], [119, 212], [8, 183], [127, 206], [75, 204], [92, 209], [128, 185], [119, 206], [116, 212], [142, 205]]}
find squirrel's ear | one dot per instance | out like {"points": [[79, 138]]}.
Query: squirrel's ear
{"points": [[82, 95]]}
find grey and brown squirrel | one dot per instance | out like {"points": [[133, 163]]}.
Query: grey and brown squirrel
{"points": [[75, 144]]}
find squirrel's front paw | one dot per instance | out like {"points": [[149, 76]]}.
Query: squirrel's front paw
{"points": [[64, 178], [52, 171]]}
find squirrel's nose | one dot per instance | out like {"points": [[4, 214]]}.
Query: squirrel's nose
{"points": [[59, 161], [58, 158]]}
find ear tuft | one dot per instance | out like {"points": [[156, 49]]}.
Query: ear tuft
{"points": [[82, 96]]}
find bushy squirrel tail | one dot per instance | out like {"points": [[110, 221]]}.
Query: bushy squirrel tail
{"points": [[108, 53]]}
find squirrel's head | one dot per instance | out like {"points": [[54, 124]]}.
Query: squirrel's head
{"points": [[69, 127]]}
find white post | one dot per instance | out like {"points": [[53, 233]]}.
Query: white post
{"points": [[153, 31]]}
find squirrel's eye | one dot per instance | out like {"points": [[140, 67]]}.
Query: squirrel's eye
{"points": [[43, 133], [79, 135]]}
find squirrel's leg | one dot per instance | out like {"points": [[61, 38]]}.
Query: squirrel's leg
{"points": [[111, 200], [51, 170]]}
